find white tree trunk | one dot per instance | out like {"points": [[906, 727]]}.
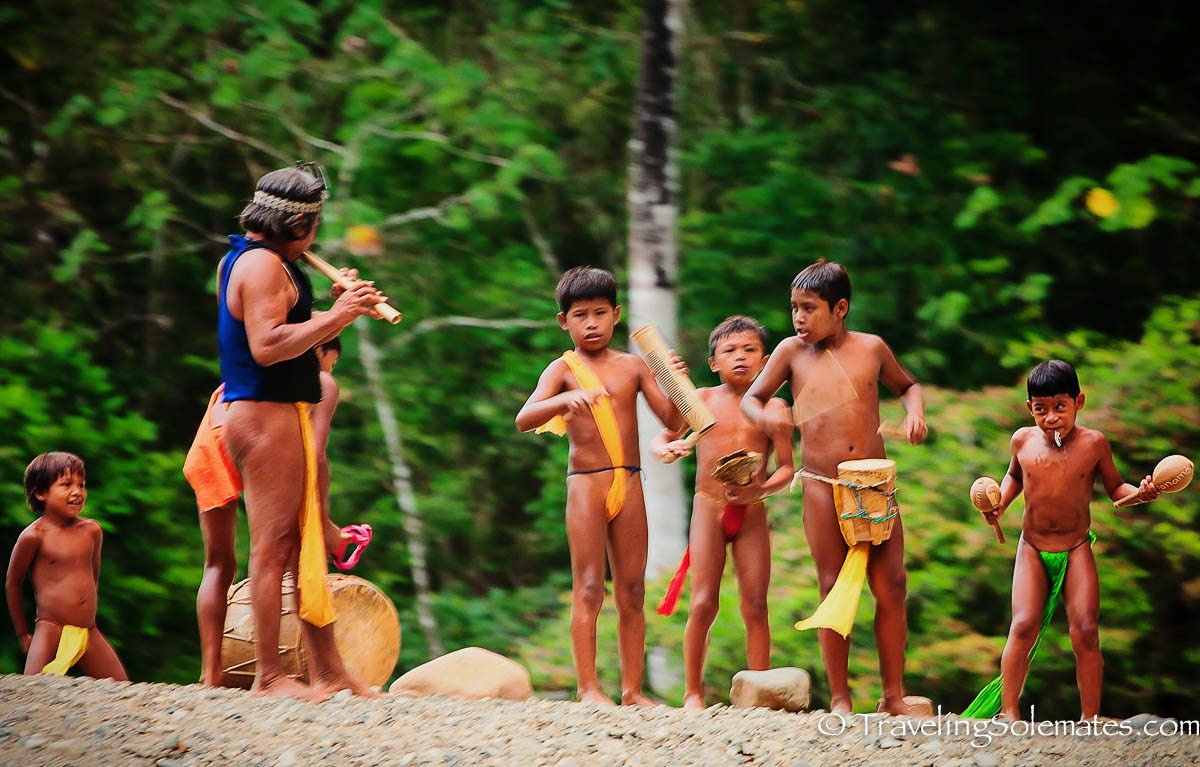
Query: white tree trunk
{"points": [[653, 258], [406, 500]]}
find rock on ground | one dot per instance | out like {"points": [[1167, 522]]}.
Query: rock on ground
{"points": [[784, 688], [50, 721], [471, 672]]}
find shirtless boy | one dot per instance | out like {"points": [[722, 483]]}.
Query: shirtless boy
{"points": [[1055, 462], [63, 551], [834, 375], [723, 513], [605, 507]]}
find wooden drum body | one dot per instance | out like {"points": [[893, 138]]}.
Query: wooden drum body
{"points": [[868, 512], [366, 631]]}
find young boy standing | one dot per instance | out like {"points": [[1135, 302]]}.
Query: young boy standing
{"points": [[590, 394], [1055, 462], [62, 550], [724, 513], [834, 375]]}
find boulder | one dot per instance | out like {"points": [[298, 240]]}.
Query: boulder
{"points": [[471, 672], [784, 688], [918, 705]]}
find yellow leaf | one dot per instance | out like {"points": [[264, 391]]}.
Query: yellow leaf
{"points": [[363, 240], [1101, 202]]}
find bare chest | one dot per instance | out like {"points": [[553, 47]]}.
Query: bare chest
{"points": [[619, 379], [65, 551], [732, 431], [1050, 470], [828, 381]]}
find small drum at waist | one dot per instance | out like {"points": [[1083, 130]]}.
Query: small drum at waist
{"points": [[366, 631], [867, 511]]}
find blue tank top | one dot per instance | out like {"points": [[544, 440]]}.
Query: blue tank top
{"points": [[294, 380]]}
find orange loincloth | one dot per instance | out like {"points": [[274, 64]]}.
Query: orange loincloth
{"points": [[610, 434], [208, 467]]}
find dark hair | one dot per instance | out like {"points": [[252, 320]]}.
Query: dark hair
{"points": [[296, 184], [1051, 378], [739, 323], [332, 345], [44, 471], [584, 282], [825, 278]]}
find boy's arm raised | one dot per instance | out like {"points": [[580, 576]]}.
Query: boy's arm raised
{"points": [[660, 404], [898, 379], [1119, 489], [18, 567], [776, 372]]}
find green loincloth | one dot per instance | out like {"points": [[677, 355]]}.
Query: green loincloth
{"points": [[987, 702]]}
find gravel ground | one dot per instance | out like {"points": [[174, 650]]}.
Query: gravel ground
{"points": [[47, 720]]}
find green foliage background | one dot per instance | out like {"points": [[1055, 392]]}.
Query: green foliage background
{"points": [[470, 133]]}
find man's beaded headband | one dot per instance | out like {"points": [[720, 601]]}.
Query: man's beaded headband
{"points": [[268, 200]]}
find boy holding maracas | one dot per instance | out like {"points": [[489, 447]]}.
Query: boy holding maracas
{"points": [[1055, 462]]}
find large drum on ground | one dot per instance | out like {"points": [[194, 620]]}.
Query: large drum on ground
{"points": [[867, 511], [366, 630]]}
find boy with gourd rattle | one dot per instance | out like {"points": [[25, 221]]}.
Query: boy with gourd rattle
{"points": [[1055, 463]]}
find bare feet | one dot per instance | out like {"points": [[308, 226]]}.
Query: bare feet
{"points": [[693, 700], [330, 683], [595, 696], [285, 687], [636, 699], [840, 705], [909, 705], [211, 679]]}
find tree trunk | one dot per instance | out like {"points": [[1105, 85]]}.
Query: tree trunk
{"points": [[402, 482], [653, 257]]}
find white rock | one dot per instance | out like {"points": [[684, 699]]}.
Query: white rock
{"points": [[785, 688]]}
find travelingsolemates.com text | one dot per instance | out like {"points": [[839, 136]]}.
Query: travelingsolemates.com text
{"points": [[983, 731]]}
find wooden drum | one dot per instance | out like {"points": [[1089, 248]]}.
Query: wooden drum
{"points": [[366, 631], [878, 509]]}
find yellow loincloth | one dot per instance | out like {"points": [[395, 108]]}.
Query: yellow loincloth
{"points": [[72, 644], [606, 422], [315, 604]]}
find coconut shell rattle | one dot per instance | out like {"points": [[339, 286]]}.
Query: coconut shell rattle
{"points": [[738, 467], [1171, 475], [985, 496]]}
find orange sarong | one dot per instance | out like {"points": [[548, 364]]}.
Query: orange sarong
{"points": [[208, 467], [606, 422]]}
